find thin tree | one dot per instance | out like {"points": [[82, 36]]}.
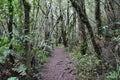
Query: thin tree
{"points": [[98, 17], [10, 27], [27, 8]]}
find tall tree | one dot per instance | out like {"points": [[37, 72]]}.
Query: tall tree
{"points": [[27, 32], [82, 32], [83, 16], [10, 27], [98, 16]]}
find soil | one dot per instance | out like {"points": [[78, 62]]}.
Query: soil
{"points": [[59, 67]]}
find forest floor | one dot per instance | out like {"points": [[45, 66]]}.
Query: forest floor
{"points": [[59, 67]]}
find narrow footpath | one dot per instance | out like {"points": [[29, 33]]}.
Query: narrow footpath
{"points": [[59, 67]]}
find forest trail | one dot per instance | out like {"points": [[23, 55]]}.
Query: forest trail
{"points": [[59, 67]]}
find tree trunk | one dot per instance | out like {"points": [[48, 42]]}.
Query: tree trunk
{"points": [[10, 28], [83, 16], [83, 38], [98, 17], [27, 32]]}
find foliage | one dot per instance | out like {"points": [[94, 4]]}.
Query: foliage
{"points": [[86, 65], [113, 75], [117, 35], [13, 78], [4, 48], [42, 56], [54, 22], [20, 69]]}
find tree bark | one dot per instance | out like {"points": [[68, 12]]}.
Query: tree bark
{"points": [[83, 38], [10, 28], [98, 17], [83, 16], [27, 32]]}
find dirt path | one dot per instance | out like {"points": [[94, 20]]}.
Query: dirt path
{"points": [[58, 67]]}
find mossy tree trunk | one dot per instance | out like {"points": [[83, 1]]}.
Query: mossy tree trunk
{"points": [[27, 33], [83, 16], [82, 32], [98, 17], [10, 27]]}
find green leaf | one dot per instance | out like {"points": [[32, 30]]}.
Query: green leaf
{"points": [[20, 69], [13, 78]]}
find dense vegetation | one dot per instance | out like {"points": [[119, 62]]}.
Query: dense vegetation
{"points": [[89, 30]]}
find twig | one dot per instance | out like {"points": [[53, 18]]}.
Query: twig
{"points": [[61, 75]]}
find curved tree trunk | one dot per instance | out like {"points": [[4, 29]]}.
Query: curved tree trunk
{"points": [[83, 16]]}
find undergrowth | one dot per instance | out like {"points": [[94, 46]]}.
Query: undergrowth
{"points": [[18, 69], [86, 65], [88, 68]]}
